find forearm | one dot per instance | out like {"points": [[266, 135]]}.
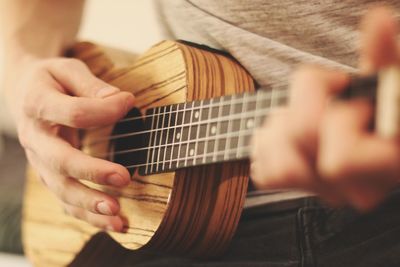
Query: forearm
{"points": [[33, 30], [39, 28]]}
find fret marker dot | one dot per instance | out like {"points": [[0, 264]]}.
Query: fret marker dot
{"points": [[191, 152], [178, 136], [213, 130], [249, 123], [196, 115]]}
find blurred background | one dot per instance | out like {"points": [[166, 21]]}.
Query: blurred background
{"points": [[130, 25]]}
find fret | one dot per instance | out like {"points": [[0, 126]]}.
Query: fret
{"points": [[152, 158], [177, 134], [156, 140], [205, 112], [150, 150], [161, 136], [263, 102], [218, 131], [190, 120], [181, 136], [207, 143], [229, 129], [164, 140], [197, 118], [274, 99], [171, 135], [240, 138]]}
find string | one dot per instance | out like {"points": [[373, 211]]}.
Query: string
{"points": [[259, 95], [214, 137], [244, 149], [264, 111]]}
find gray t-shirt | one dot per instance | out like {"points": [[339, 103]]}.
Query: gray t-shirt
{"points": [[270, 38]]}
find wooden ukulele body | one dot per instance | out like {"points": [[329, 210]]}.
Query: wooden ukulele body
{"points": [[192, 211]]}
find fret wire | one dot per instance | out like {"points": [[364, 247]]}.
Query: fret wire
{"points": [[259, 93], [230, 122], [150, 144], [265, 111], [155, 142], [216, 143], [207, 129], [173, 137], [255, 96], [241, 121], [257, 121], [190, 128], [161, 136], [181, 131], [226, 135], [165, 150], [273, 99], [244, 149], [196, 145]]}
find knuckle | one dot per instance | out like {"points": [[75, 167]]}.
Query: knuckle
{"points": [[335, 169], [62, 163], [33, 105], [77, 116]]}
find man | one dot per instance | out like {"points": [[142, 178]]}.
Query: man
{"points": [[312, 144]]}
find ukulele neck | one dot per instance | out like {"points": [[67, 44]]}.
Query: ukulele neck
{"points": [[205, 131]]}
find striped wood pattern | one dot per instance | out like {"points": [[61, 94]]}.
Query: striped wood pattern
{"points": [[192, 211]]}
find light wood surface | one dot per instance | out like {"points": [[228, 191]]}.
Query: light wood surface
{"points": [[193, 211]]}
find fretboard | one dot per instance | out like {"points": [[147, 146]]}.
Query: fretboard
{"points": [[206, 131], [203, 132]]}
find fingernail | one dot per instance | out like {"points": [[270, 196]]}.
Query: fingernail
{"points": [[106, 91], [116, 180], [130, 102], [103, 208]]}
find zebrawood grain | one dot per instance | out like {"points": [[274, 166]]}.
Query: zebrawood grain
{"points": [[192, 211]]}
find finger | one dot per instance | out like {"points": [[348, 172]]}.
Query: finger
{"points": [[285, 168], [78, 112], [378, 40], [110, 223], [312, 85], [363, 166], [65, 160], [77, 79], [344, 139], [72, 192]]}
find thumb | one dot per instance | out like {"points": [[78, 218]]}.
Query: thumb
{"points": [[77, 79]]}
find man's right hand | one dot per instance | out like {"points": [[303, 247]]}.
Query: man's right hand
{"points": [[51, 99]]}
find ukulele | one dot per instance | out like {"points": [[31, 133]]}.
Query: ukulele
{"points": [[186, 146]]}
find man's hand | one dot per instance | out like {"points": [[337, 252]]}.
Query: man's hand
{"points": [[324, 146], [53, 97]]}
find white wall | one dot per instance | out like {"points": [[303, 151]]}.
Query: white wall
{"points": [[128, 24]]}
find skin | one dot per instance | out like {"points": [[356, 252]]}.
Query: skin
{"points": [[324, 146], [50, 96], [318, 145]]}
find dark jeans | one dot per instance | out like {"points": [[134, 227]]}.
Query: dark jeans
{"points": [[305, 233], [296, 233]]}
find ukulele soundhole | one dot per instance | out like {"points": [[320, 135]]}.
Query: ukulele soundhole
{"points": [[129, 141]]}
